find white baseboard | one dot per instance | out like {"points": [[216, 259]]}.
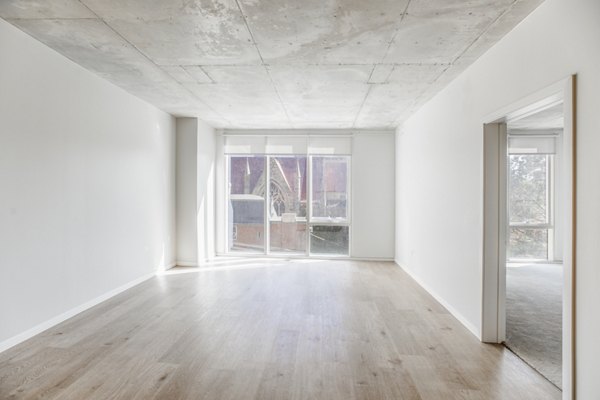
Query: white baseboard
{"points": [[320, 257], [168, 266], [198, 263], [472, 328], [374, 259], [21, 337], [186, 264]]}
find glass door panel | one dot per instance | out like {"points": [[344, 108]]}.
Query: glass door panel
{"points": [[329, 213], [329, 239], [329, 188], [287, 209], [246, 204]]}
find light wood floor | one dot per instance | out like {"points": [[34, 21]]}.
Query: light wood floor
{"points": [[268, 330]]}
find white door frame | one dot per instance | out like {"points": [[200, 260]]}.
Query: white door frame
{"points": [[493, 329]]}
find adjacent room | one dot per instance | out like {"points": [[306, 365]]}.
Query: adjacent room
{"points": [[277, 199], [534, 273]]}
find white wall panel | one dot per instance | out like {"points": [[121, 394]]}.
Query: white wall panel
{"points": [[373, 196], [439, 153], [87, 187]]}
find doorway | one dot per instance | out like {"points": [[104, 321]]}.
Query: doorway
{"points": [[529, 231], [534, 269]]}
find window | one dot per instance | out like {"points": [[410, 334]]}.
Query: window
{"points": [[329, 239], [530, 206], [305, 210]]}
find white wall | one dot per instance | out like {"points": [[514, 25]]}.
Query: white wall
{"points": [[187, 235], [195, 192], [439, 166], [205, 193], [373, 193], [87, 184]]}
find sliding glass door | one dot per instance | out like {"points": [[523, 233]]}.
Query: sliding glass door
{"points": [[305, 210], [329, 216], [247, 195], [287, 199]]}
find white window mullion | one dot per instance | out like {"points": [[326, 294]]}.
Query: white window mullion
{"points": [[309, 202], [267, 230]]}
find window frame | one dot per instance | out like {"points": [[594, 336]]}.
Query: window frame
{"points": [[309, 220], [549, 225]]}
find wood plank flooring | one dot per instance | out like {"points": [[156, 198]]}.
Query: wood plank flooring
{"points": [[257, 329]]}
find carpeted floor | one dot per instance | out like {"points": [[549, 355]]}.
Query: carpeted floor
{"points": [[534, 316]]}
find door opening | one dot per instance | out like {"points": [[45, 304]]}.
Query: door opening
{"points": [[529, 232], [534, 269]]}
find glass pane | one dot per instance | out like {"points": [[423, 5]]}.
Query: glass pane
{"points": [[288, 237], [329, 239], [329, 188], [528, 189], [288, 204], [528, 243], [247, 204]]}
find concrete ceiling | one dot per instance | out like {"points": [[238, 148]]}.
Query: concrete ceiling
{"points": [[274, 63]]}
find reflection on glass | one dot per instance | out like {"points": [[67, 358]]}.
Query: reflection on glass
{"points": [[288, 237], [329, 187], [284, 199], [287, 211], [329, 239], [247, 204], [528, 189], [529, 206], [528, 243]]}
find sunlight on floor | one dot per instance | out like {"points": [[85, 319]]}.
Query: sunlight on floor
{"points": [[237, 264]]}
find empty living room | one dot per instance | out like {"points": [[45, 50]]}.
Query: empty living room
{"points": [[289, 200]]}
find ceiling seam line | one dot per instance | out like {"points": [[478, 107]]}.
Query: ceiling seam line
{"points": [[212, 81], [422, 93], [300, 64], [152, 62], [393, 39], [372, 72], [486, 30], [50, 19], [362, 105], [263, 62], [385, 54]]}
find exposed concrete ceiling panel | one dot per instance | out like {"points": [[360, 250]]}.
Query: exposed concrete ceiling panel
{"points": [[180, 32], [381, 73], [242, 74], [274, 63], [403, 86], [319, 74], [31, 9], [323, 31], [413, 76], [376, 108], [249, 101]]}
